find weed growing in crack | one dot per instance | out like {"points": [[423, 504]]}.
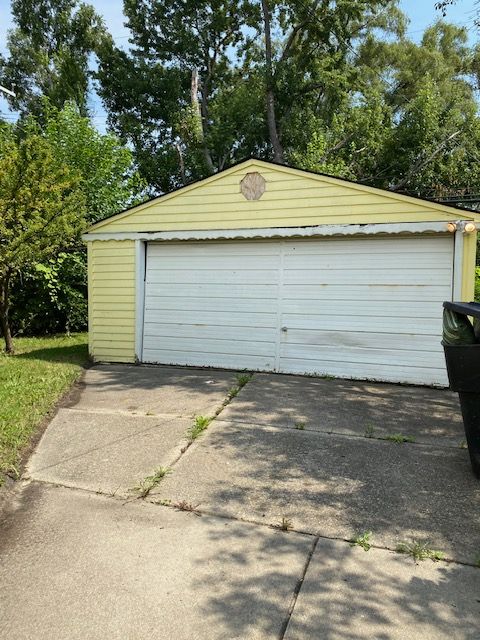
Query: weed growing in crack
{"points": [[369, 431], [399, 438], [363, 540], [300, 426], [201, 423], [242, 379], [183, 505], [144, 487], [285, 524], [420, 551]]}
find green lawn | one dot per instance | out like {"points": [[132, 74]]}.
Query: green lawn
{"points": [[31, 382]]}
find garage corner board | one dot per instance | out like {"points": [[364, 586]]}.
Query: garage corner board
{"points": [[298, 273]]}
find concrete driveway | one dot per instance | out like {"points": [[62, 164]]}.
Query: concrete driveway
{"points": [[247, 534]]}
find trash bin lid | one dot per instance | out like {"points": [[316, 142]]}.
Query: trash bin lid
{"points": [[465, 308]]}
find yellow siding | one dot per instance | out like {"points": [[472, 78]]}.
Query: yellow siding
{"points": [[468, 270], [292, 198], [111, 298]]}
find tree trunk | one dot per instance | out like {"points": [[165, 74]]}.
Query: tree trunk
{"points": [[4, 309], [278, 154], [201, 111]]}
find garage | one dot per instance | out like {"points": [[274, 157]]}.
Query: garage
{"points": [[345, 281]]}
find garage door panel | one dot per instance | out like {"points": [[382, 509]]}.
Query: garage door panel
{"points": [[420, 279], [393, 260], [382, 308], [371, 325], [214, 304], [378, 245], [340, 339], [387, 372], [367, 355], [224, 263], [209, 248], [213, 291], [364, 292], [219, 319], [211, 346], [198, 331], [197, 358], [217, 276]]}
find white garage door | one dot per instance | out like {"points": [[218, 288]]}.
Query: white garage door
{"points": [[358, 308]]}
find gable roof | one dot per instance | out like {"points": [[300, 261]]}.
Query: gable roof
{"points": [[313, 198]]}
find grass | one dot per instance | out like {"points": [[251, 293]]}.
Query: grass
{"points": [[420, 551], [201, 423], [31, 383], [363, 540], [399, 438], [242, 379], [144, 487]]}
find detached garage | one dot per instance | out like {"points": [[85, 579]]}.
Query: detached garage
{"points": [[270, 268]]}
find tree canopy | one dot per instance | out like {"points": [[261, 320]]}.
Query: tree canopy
{"points": [[49, 53]]}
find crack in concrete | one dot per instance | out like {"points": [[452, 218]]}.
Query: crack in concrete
{"points": [[222, 516]]}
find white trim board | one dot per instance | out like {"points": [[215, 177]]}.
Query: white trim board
{"points": [[279, 232], [140, 262]]}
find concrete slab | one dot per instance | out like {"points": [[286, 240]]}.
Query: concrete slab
{"points": [[152, 390], [350, 407], [350, 594], [105, 452], [335, 486], [79, 566]]}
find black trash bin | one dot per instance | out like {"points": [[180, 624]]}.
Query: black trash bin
{"points": [[463, 367]]}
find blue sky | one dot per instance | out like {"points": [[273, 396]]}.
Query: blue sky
{"points": [[421, 13]]}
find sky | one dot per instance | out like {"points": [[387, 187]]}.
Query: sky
{"points": [[421, 13]]}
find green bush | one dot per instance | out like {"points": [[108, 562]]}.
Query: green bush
{"points": [[52, 297]]}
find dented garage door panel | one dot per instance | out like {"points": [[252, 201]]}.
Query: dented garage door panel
{"points": [[353, 308]]}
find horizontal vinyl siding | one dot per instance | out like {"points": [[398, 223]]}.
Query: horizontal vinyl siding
{"points": [[112, 301], [289, 200]]}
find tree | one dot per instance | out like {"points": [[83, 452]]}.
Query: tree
{"points": [[166, 96], [50, 296], [41, 207], [107, 174], [50, 48], [308, 67], [206, 84], [409, 120]]}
